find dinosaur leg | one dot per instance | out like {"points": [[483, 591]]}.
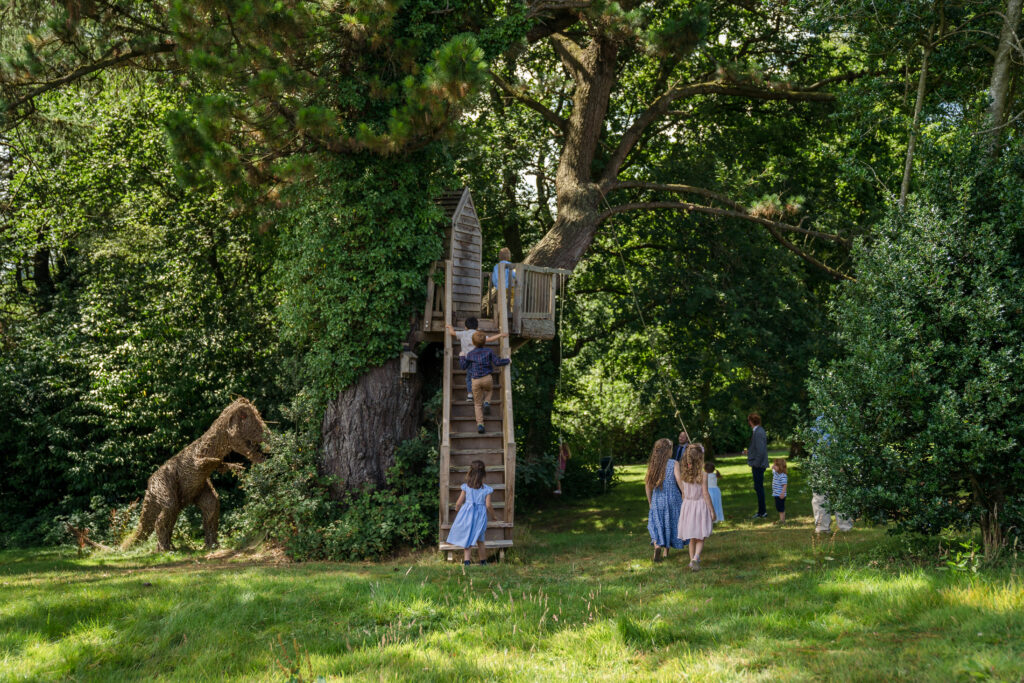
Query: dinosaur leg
{"points": [[209, 504], [165, 524]]}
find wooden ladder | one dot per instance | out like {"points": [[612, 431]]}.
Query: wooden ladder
{"points": [[461, 443]]}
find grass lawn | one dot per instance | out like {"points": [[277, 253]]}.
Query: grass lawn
{"points": [[579, 600]]}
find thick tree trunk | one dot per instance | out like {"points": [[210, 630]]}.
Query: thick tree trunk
{"points": [[366, 422], [578, 196]]}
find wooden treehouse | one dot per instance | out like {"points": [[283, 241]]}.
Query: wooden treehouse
{"points": [[460, 287]]}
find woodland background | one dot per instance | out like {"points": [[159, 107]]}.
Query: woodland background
{"points": [[815, 206]]}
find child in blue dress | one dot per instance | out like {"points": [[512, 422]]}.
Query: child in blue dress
{"points": [[664, 499], [472, 510], [714, 491]]}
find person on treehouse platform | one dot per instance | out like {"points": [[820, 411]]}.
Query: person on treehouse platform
{"points": [[510, 276], [479, 364]]}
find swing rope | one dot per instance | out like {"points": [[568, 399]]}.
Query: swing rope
{"points": [[662, 365]]}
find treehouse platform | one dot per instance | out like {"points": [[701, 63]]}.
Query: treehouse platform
{"points": [[459, 288]]}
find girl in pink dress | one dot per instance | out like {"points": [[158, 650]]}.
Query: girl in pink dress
{"points": [[697, 513]]}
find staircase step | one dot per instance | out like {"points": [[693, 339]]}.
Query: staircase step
{"points": [[479, 451], [455, 486], [490, 525], [489, 468], [496, 506], [474, 435], [499, 543]]}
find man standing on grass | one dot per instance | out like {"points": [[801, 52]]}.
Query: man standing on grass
{"points": [[684, 441], [757, 458]]}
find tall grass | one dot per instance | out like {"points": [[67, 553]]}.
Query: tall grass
{"points": [[582, 602]]}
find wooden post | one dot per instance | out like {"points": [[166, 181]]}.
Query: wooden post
{"points": [[522, 285], [428, 314], [508, 426], [446, 409]]}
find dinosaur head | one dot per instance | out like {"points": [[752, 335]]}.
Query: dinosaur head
{"points": [[245, 429]]}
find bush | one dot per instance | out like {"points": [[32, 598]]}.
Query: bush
{"points": [[287, 499], [921, 418]]}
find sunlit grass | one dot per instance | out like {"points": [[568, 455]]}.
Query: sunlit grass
{"points": [[582, 602]]}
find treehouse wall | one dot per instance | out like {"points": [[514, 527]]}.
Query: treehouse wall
{"points": [[463, 246]]}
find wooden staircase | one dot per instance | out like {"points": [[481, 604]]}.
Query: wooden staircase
{"points": [[461, 443]]}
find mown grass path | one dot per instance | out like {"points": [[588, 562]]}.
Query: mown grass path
{"points": [[580, 600]]}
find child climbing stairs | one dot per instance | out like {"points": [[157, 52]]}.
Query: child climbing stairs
{"points": [[462, 443]]}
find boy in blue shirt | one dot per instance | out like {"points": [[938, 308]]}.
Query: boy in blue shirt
{"points": [[479, 364]]}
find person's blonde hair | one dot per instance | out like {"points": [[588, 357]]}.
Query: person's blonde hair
{"points": [[780, 465], [479, 339], [505, 254], [656, 465], [691, 465]]}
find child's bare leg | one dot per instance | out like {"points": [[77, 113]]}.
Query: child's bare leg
{"points": [[481, 551], [782, 516], [689, 546], [467, 553], [698, 545]]}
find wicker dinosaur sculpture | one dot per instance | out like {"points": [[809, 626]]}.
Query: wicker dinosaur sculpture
{"points": [[185, 478]]}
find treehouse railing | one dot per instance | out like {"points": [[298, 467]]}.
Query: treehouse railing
{"points": [[532, 299], [508, 428], [446, 406], [435, 309]]}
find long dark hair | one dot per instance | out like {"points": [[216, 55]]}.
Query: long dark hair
{"points": [[475, 475]]}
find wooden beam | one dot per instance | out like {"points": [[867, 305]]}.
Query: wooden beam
{"points": [[446, 403]]}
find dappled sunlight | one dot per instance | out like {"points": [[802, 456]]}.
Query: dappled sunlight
{"points": [[584, 601]]}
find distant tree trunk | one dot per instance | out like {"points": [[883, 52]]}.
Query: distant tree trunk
{"points": [[915, 126], [42, 278], [366, 422], [999, 86]]}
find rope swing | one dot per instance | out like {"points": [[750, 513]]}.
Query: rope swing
{"points": [[662, 365]]}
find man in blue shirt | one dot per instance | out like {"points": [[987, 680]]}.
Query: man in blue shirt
{"points": [[510, 275], [684, 441]]}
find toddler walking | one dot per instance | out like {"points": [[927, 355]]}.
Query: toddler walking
{"points": [[472, 510], [696, 515], [716, 493], [780, 482]]}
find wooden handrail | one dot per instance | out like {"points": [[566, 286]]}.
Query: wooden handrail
{"points": [[508, 426], [446, 409]]}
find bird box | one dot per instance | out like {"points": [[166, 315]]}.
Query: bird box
{"points": [[408, 363]]}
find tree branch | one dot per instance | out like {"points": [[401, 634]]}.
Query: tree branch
{"points": [[520, 95], [660, 106], [737, 209], [570, 53], [117, 59], [774, 227]]}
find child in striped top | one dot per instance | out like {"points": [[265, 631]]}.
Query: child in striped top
{"points": [[780, 482]]}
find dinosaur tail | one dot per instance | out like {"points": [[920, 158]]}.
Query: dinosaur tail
{"points": [[147, 521]]}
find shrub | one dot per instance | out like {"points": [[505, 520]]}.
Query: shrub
{"points": [[921, 417], [287, 499]]}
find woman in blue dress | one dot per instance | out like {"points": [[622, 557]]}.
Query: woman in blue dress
{"points": [[472, 510], [664, 499]]}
